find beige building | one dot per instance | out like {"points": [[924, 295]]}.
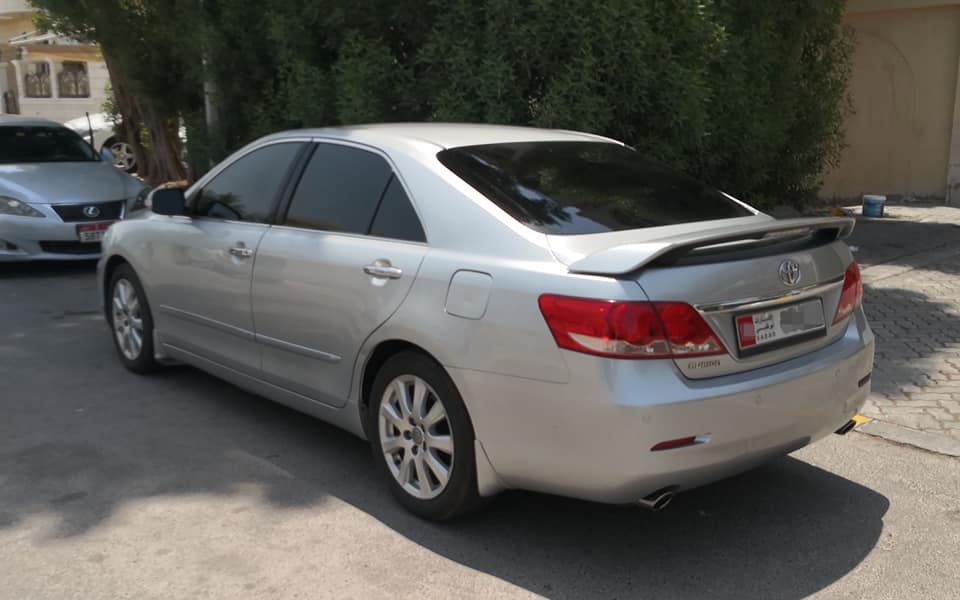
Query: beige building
{"points": [[904, 136], [45, 75]]}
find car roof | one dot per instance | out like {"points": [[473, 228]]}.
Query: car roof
{"points": [[21, 121], [445, 135]]}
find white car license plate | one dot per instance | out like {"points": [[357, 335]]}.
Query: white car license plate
{"points": [[92, 232], [779, 324]]}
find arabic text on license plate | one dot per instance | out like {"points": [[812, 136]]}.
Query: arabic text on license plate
{"points": [[92, 232], [777, 324]]}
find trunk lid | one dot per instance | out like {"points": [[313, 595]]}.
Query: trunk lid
{"points": [[748, 268]]}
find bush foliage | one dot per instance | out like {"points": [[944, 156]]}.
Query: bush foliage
{"points": [[748, 95]]}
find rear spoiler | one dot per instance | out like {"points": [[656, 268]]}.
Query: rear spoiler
{"points": [[626, 258]]}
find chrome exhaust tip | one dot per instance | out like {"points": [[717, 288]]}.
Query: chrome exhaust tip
{"points": [[658, 500]]}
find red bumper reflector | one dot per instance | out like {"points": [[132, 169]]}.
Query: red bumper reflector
{"points": [[677, 443]]}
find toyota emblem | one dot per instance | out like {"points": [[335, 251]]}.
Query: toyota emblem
{"points": [[789, 272], [91, 212]]}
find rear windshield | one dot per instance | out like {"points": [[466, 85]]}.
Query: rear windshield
{"points": [[36, 144], [568, 188]]}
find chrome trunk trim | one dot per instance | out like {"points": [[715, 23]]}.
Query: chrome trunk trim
{"points": [[768, 301]]}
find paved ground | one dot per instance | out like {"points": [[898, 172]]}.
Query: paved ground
{"points": [[180, 486], [912, 297]]}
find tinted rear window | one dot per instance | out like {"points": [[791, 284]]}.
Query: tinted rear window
{"points": [[396, 217], [339, 190], [567, 188]]}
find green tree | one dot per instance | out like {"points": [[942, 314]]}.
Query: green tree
{"points": [[748, 95], [779, 97], [150, 76]]}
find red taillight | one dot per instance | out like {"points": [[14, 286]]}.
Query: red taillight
{"points": [[628, 329], [852, 294]]}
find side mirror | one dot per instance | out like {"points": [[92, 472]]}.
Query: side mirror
{"points": [[167, 201], [107, 155]]}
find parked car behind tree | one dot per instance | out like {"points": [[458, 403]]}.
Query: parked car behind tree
{"points": [[104, 135]]}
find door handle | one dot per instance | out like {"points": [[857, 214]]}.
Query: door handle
{"points": [[382, 268], [241, 252]]}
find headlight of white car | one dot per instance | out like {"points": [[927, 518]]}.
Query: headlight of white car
{"points": [[12, 206]]}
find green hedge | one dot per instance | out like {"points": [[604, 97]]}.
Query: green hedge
{"points": [[749, 95]]}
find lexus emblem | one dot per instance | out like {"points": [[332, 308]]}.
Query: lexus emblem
{"points": [[91, 212], [789, 272]]}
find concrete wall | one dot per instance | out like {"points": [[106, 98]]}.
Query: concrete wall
{"points": [[11, 24], [904, 91], [16, 18], [14, 6], [64, 109], [14, 24]]}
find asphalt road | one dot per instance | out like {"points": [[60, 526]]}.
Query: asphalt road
{"points": [[180, 486]]}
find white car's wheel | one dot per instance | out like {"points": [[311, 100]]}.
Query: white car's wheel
{"points": [[131, 321], [414, 432], [123, 156], [422, 437]]}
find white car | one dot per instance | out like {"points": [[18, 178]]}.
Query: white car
{"points": [[104, 136], [58, 196], [500, 307]]}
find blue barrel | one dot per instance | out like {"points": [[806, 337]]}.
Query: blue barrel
{"points": [[873, 205]]}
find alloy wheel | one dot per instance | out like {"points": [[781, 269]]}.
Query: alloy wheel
{"points": [[416, 437], [127, 319], [123, 156]]}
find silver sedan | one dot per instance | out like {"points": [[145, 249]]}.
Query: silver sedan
{"points": [[57, 195], [499, 307]]}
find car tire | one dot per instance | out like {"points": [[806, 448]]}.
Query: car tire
{"points": [[124, 152], [412, 445], [131, 322]]}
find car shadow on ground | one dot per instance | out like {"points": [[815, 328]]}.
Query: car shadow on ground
{"points": [[81, 439], [783, 531]]}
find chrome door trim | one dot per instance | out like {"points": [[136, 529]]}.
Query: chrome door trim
{"points": [[297, 349], [767, 301], [363, 236], [188, 356], [225, 327]]}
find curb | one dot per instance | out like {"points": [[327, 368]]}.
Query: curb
{"points": [[931, 442]]}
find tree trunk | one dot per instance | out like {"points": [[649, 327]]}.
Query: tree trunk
{"points": [[129, 113], [165, 145], [158, 157]]}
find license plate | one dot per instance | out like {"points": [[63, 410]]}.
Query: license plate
{"points": [[779, 324], [92, 232]]}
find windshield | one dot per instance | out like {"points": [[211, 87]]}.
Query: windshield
{"points": [[568, 188], [43, 144]]}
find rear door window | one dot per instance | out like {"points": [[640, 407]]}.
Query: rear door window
{"points": [[340, 190], [568, 188], [352, 190], [395, 217]]}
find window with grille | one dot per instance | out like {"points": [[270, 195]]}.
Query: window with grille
{"points": [[36, 80], [74, 81]]}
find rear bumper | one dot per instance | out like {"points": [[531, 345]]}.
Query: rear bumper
{"points": [[42, 239], [591, 438]]}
